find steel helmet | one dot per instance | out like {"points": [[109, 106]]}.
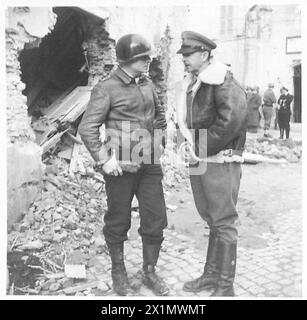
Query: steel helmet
{"points": [[132, 46]]}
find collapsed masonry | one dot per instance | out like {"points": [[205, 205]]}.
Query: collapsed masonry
{"points": [[50, 77]]}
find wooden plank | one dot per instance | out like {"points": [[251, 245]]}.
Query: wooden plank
{"points": [[52, 142], [81, 287], [55, 104], [75, 161], [74, 103]]}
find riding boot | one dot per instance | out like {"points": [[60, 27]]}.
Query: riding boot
{"points": [[227, 256], [210, 275]]}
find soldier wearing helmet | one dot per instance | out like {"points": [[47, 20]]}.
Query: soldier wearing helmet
{"points": [[129, 107]]}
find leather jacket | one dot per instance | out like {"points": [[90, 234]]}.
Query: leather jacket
{"points": [[124, 105], [222, 110]]}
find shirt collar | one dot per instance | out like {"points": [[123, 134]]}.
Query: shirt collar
{"points": [[126, 77], [123, 75], [126, 72]]}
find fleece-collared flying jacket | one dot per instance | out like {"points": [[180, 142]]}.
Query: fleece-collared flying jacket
{"points": [[214, 101]]}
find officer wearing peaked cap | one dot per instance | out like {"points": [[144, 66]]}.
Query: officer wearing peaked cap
{"points": [[193, 42], [212, 99]]}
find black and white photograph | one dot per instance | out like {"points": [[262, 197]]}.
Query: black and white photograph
{"points": [[153, 150]]}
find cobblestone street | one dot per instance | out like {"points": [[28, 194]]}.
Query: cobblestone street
{"points": [[274, 271], [269, 260]]}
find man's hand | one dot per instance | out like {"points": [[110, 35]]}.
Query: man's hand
{"points": [[112, 166]]}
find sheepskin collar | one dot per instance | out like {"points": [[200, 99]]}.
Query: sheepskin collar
{"points": [[214, 74]]}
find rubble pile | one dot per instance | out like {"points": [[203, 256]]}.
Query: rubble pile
{"points": [[62, 228], [62, 231], [275, 148], [175, 171]]}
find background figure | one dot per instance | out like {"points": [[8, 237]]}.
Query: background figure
{"points": [[276, 108], [269, 99], [284, 112], [248, 91], [253, 104]]}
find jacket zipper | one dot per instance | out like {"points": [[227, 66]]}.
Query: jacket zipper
{"points": [[140, 91]]}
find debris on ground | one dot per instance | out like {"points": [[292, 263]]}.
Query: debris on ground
{"points": [[275, 148], [58, 247], [63, 227], [175, 171]]}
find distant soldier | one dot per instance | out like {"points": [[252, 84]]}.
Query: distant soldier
{"points": [[248, 91], [284, 112], [253, 105], [269, 99]]}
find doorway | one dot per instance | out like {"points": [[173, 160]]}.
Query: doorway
{"points": [[297, 84]]}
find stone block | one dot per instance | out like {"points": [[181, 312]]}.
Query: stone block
{"points": [[24, 164]]}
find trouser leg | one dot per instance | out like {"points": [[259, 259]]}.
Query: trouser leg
{"points": [[287, 130], [216, 194], [117, 220], [267, 112], [153, 220], [276, 120], [282, 130], [221, 183], [119, 191]]}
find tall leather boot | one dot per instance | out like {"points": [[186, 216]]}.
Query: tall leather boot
{"points": [[150, 278], [227, 262], [210, 275], [119, 273]]}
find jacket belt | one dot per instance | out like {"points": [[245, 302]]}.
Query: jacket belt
{"points": [[229, 155]]}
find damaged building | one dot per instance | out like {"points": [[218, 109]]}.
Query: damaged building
{"points": [[54, 58]]}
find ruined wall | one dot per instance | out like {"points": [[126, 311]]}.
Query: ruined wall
{"points": [[159, 68], [99, 50], [24, 169]]}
